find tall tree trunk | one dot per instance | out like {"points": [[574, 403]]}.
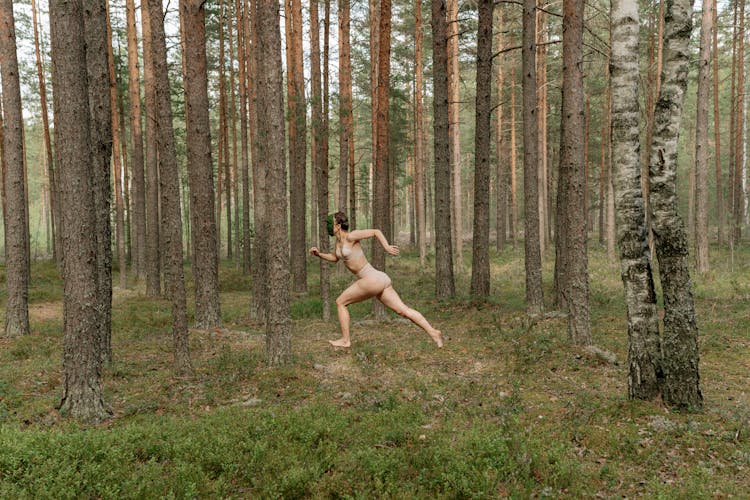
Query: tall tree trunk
{"points": [[644, 368], [297, 141], [243, 56], [572, 215], [320, 169], [501, 181], [513, 158], [701, 139], [603, 174], [381, 201], [326, 84], [200, 176], [681, 386], [533, 257], [224, 134], [82, 362], [345, 102], [454, 132], [116, 155], [153, 242], [17, 266], [271, 148], [419, 136], [720, 214], [480, 267], [444, 284], [374, 6], [96, 25], [235, 156], [54, 210], [732, 125], [541, 116], [169, 184], [739, 130], [136, 142]]}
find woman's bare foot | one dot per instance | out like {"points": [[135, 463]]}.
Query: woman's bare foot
{"points": [[437, 336], [342, 342]]}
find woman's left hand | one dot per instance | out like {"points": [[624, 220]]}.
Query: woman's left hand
{"points": [[392, 249]]}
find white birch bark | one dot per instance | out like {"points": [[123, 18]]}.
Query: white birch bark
{"points": [[632, 235]]}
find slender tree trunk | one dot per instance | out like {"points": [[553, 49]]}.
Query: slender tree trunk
{"points": [[739, 130], [513, 158], [720, 215], [224, 134], [116, 156], [501, 181], [243, 56], [574, 282], [701, 138], [326, 84], [480, 268], [345, 101], [198, 138], [444, 283], [54, 211], [533, 260], [235, 156], [297, 141], [153, 242], [136, 142], [271, 148], [541, 115], [169, 184], [320, 168], [632, 235], [603, 174], [374, 6], [681, 386], [732, 125], [454, 132], [381, 200], [17, 265], [419, 136], [82, 362]]}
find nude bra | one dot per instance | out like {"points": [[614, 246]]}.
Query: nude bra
{"points": [[348, 253]]}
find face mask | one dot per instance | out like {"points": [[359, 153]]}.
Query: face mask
{"points": [[329, 223]]}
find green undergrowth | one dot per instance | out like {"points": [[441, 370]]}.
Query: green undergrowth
{"points": [[507, 409]]}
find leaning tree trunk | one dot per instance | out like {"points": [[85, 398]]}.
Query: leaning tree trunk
{"points": [[644, 368], [574, 281], [14, 189], [701, 139], [271, 149], [82, 362], [533, 260], [444, 284], [169, 187], [681, 386], [200, 169], [480, 267]]}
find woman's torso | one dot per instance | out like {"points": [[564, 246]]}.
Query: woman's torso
{"points": [[352, 254]]}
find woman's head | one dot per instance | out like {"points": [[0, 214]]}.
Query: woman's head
{"points": [[337, 219]]}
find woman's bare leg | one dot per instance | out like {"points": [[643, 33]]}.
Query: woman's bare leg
{"points": [[390, 298], [357, 292]]}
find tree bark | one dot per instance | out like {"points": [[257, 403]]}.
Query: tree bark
{"points": [[480, 267], [242, 57], [199, 163], [345, 108], [153, 242], [374, 11], [419, 136], [739, 142], [454, 119], [17, 266], [136, 142], [297, 141], [235, 156], [701, 139], [82, 362], [533, 258], [572, 285], [444, 283], [169, 184], [271, 148], [513, 160], [116, 155], [681, 386], [501, 179], [644, 370], [720, 213]]}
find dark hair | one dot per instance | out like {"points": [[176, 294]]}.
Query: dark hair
{"points": [[340, 218]]}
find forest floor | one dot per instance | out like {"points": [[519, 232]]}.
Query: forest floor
{"points": [[507, 408]]}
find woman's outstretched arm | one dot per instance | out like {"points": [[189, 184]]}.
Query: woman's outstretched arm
{"points": [[330, 257], [363, 234]]}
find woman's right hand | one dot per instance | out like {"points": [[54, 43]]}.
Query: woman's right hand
{"points": [[315, 252]]}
